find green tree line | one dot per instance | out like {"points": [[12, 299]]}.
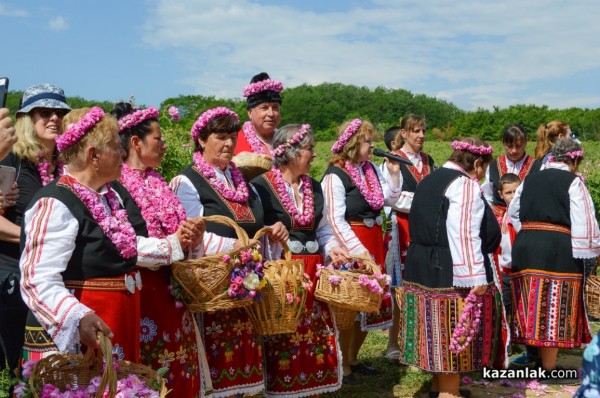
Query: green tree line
{"points": [[327, 105]]}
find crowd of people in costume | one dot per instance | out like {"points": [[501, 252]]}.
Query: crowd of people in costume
{"points": [[483, 251]]}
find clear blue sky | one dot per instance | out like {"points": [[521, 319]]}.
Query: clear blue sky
{"points": [[471, 53]]}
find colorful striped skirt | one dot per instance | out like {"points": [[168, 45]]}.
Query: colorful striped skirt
{"points": [[548, 309], [427, 320]]}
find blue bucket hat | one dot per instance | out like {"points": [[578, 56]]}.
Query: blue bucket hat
{"points": [[43, 96]]}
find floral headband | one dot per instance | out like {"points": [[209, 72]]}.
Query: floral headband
{"points": [[77, 130], [575, 154], [209, 115], [296, 138], [268, 84], [137, 117], [571, 154], [341, 142], [474, 149]]}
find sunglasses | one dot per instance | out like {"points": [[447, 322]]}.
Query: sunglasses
{"points": [[47, 112]]}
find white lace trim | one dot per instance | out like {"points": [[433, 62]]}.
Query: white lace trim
{"points": [[176, 250], [470, 281], [67, 337]]}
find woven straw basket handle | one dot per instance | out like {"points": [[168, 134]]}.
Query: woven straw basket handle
{"points": [[109, 375], [287, 254], [241, 234], [370, 264]]}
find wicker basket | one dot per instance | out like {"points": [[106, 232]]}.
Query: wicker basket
{"points": [[252, 165], [273, 314], [76, 371], [344, 318], [592, 295], [205, 280], [349, 294]]}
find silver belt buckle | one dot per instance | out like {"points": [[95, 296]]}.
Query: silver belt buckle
{"points": [[312, 246], [130, 284], [379, 220], [295, 246], [138, 280], [369, 222]]}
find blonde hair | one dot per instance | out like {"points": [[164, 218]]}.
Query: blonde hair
{"points": [[547, 134], [29, 145], [99, 136], [350, 150]]}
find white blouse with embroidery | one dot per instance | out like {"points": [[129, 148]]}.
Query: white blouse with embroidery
{"points": [[51, 230], [465, 215], [335, 200], [404, 202], [190, 199]]}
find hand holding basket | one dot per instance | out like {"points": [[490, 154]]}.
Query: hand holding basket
{"points": [[73, 371], [283, 297], [346, 292], [206, 281]]}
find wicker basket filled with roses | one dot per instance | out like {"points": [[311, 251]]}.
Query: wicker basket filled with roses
{"points": [[283, 296], [350, 291], [93, 374], [223, 280]]}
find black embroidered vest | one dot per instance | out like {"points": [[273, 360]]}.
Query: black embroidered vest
{"points": [[429, 260], [249, 216], [274, 210], [95, 255], [357, 208]]}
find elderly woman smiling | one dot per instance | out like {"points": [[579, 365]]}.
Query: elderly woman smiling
{"points": [[264, 110]]}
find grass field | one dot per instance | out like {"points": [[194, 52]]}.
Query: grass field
{"points": [[440, 151]]}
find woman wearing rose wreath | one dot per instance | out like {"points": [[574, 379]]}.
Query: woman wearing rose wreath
{"points": [[212, 185], [168, 330], [263, 104], [554, 217], [448, 290], [39, 122], [81, 244], [311, 356], [355, 192]]}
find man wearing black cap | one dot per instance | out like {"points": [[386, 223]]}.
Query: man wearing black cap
{"points": [[263, 105]]}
